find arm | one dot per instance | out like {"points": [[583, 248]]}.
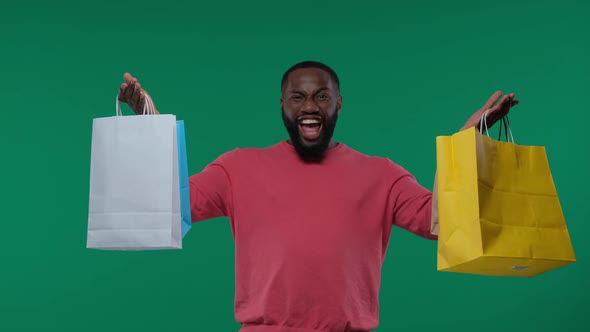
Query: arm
{"points": [[210, 190], [210, 193], [412, 204], [434, 208]]}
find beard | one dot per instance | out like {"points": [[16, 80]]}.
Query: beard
{"points": [[315, 152]]}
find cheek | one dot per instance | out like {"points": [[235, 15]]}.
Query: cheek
{"points": [[289, 112], [330, 108]]}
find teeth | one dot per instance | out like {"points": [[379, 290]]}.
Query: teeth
{"points": [[310, 121]]}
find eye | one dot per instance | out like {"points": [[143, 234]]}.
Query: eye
{"points": [[296, 97], [323, 96]]}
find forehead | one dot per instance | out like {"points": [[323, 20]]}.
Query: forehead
{"points": [[309, 79]]}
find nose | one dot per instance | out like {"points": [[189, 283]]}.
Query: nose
{"points": [[310, 106]]}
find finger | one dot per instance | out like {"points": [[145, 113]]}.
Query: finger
{"points": [[508, 107], [503, 104], [506, 100], [137, 93], [127, 77], [129, 92], [513, 101], [494, 115], [492, 118], [129, 89], [141, 102], [121, 94], [134, 101], [493, 99], [139, 96], [501, 109]]}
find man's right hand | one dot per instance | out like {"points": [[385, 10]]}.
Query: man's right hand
{"points": [[132, 94]]}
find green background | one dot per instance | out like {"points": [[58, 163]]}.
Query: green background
{"points": [[409, 70]]}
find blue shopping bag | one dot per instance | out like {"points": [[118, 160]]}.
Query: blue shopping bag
{"points": [[185, 207]]}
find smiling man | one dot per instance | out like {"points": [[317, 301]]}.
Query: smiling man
{"points": [[311, 218], [310, 106]]}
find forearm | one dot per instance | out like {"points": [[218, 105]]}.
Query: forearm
{"points": [[434, 202]]}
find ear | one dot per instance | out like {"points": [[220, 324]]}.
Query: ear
{"points": [[281, 103], [339, 104]]}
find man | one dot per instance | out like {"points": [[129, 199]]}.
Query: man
{"points": [[311, 217]]}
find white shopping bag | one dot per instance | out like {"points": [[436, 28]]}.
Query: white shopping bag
{"points": [[134, 183]]}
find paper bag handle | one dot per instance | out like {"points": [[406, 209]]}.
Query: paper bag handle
{"points": [[148, 106], [484, 124]]}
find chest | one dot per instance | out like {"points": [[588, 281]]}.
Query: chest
{"points": [[340, 205]]}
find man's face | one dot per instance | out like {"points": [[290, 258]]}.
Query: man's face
{"points": [[310, 106]]}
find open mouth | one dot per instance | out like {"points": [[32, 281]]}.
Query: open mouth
{"points": [[310, 128]]}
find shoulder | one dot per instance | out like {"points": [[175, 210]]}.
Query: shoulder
{"points": [[239, 155], [376, 164], [378, 161]]}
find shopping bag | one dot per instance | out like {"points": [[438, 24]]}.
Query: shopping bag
{"points": [[185, 208], [134, 201], [498, 209]]}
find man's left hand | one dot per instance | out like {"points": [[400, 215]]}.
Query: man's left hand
{"points": [[496, 112]]}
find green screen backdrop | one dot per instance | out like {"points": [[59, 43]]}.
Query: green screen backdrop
{"points": [[409, 71]]}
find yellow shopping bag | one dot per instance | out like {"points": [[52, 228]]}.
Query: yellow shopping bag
{"points": [[498, 209]]}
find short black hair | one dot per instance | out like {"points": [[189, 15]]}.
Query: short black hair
{"points": [[311, 64]]}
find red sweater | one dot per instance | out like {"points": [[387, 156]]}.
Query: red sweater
{"points": [[310, 239]]}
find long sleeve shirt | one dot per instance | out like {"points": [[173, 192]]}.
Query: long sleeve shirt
{"points": [[310, 239]]}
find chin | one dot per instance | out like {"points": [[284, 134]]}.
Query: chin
{"points": [[310, 144]]}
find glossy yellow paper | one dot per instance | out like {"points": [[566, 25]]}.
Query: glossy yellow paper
{"points": [[499, 213]]}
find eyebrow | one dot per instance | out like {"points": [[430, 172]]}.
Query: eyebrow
{"points": [[315, 92]]}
